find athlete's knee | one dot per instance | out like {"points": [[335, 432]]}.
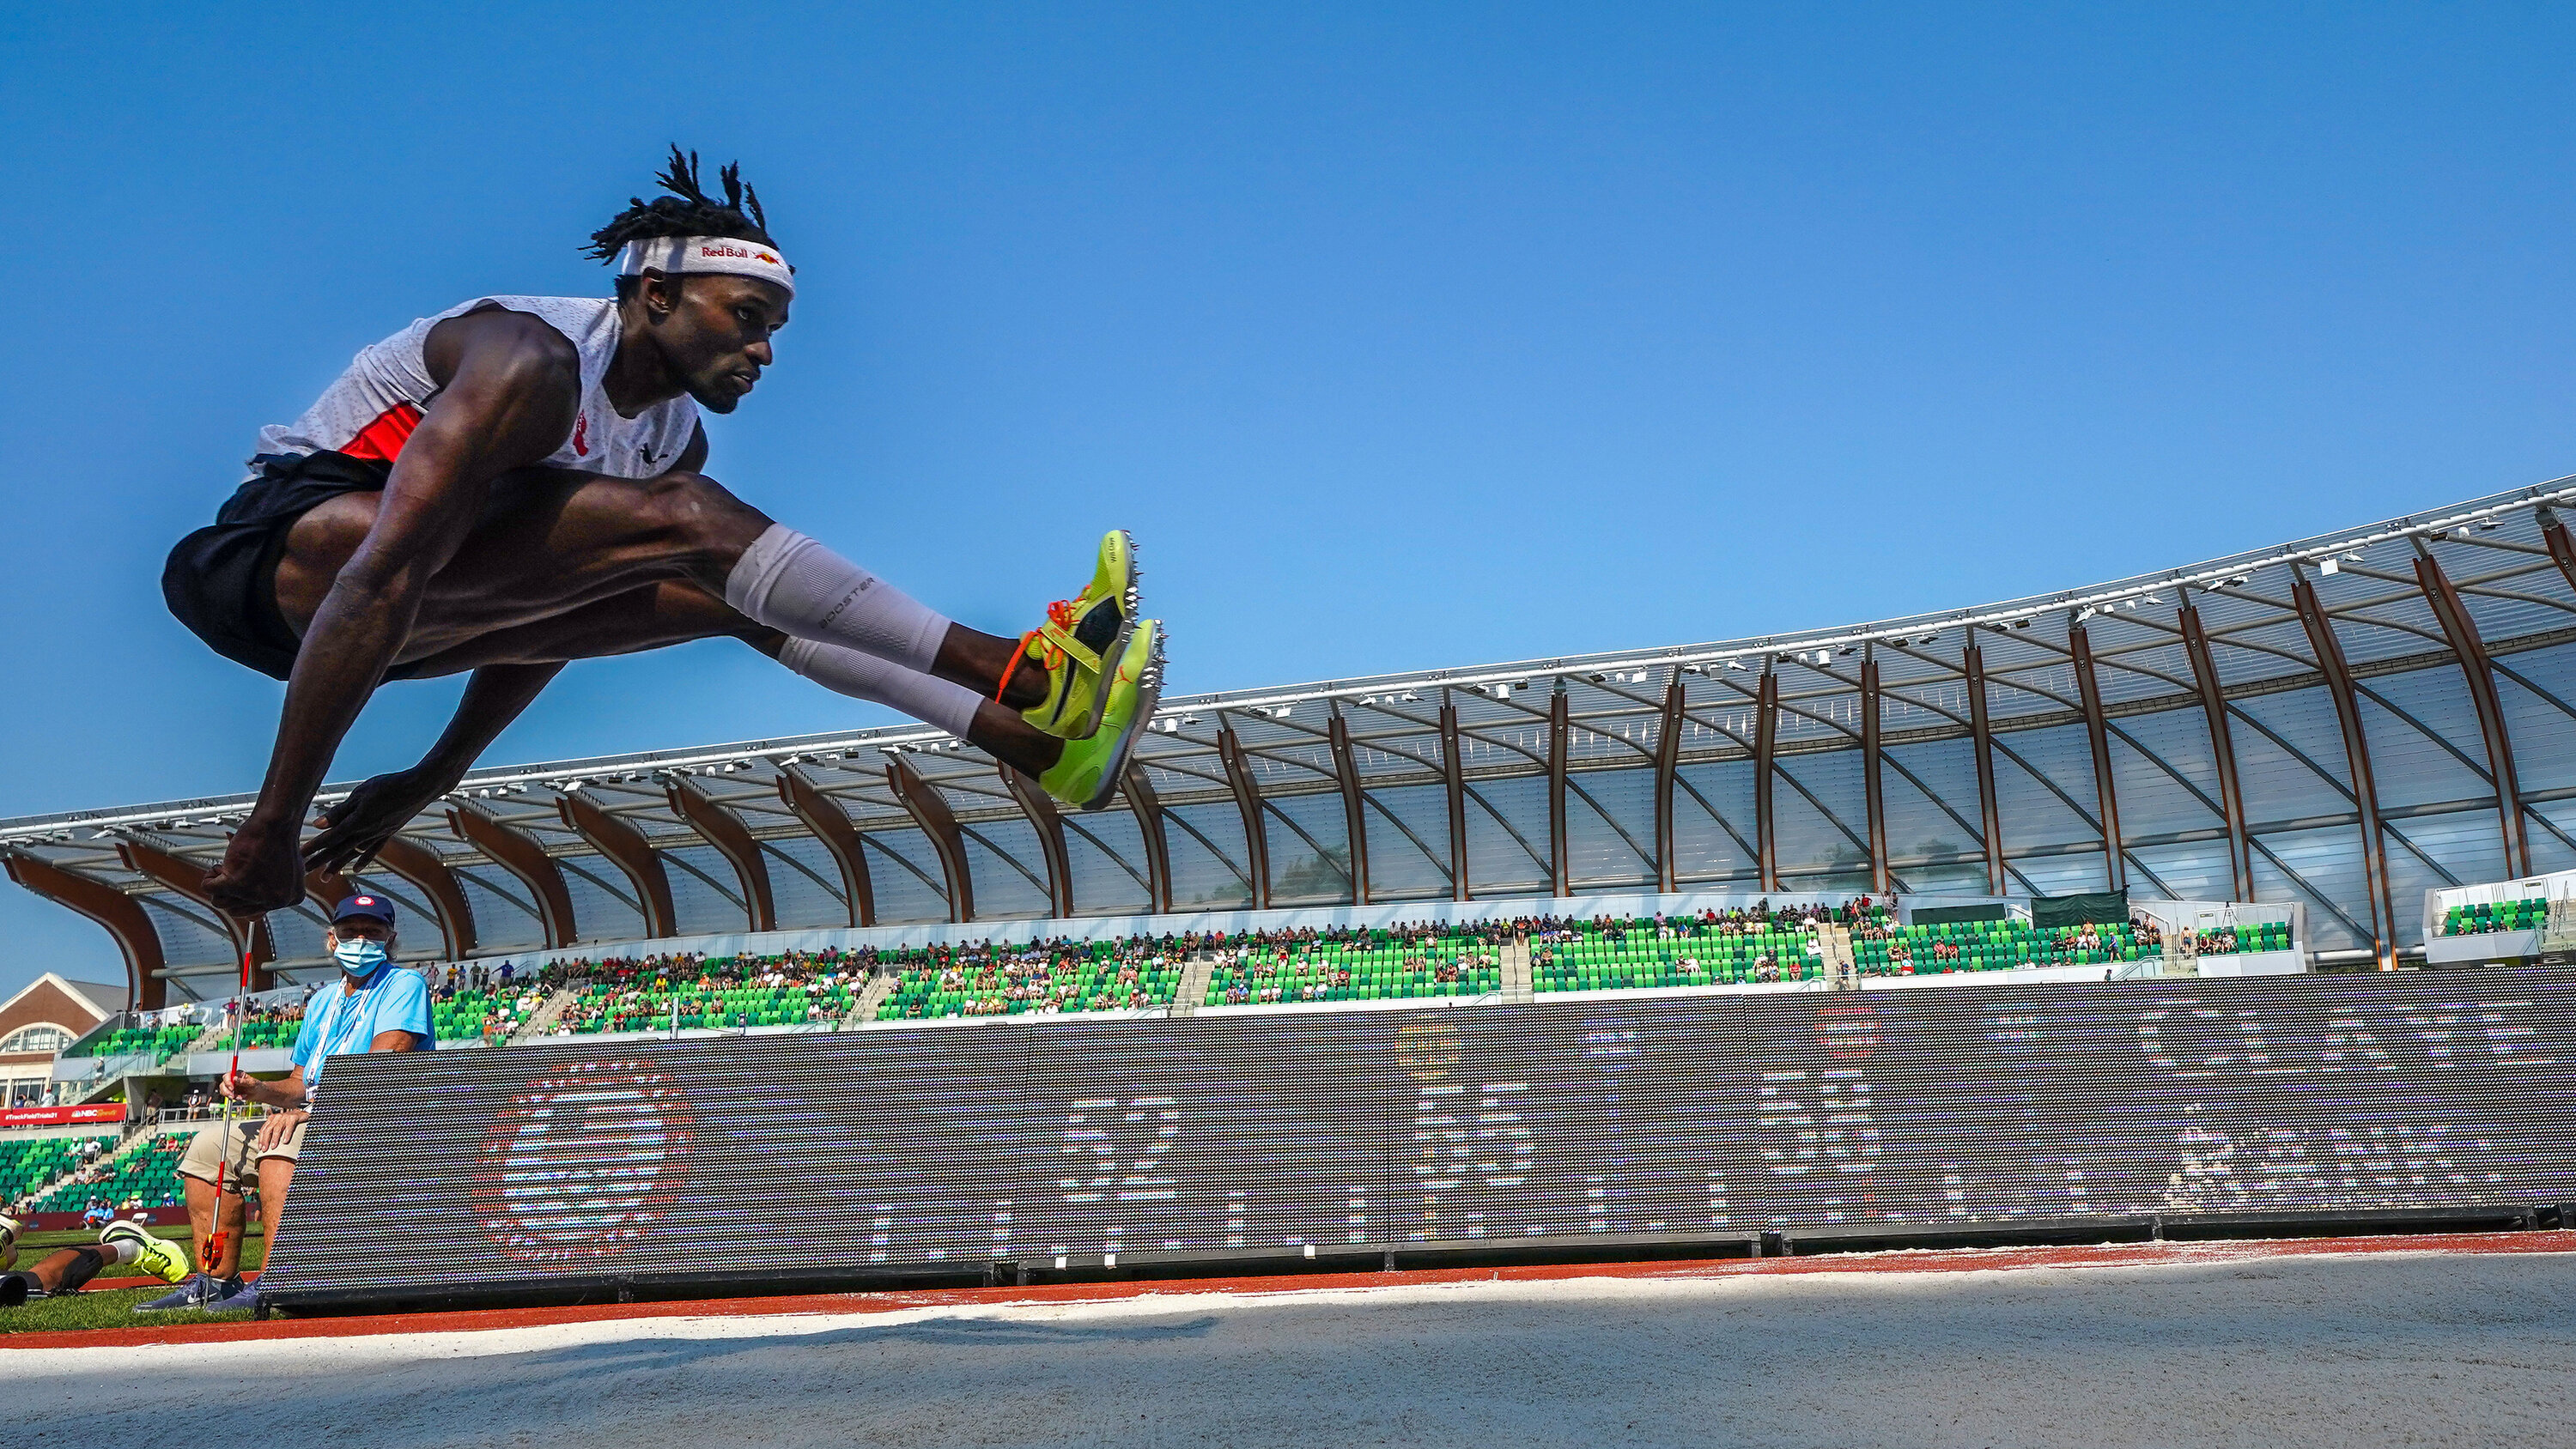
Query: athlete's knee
{"points": [[702, 518]]}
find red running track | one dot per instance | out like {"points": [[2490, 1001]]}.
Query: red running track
{"points": [[1942, 1260]]}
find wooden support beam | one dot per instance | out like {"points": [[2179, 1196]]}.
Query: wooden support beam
{"points": [[2462, 631], [519, 853], [1668, 759], [1346, 774], [2356, 748], [326, 889], [1453, 772], [1247, 800], [1149, 822], [929, 810], [1872, 789], [125, 921], [720, 827], [2097, 730], [830, 824], [418, 866], [1560, 752], [2222, 749], [1981, 731], [2562, 549], [1048, 822], [624, 846], [1766, 739], [184, 877]]}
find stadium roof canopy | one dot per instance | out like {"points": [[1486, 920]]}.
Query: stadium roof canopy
{"points": [[2332, 721]]}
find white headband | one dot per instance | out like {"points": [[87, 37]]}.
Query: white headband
{"points": [[676, 256]]}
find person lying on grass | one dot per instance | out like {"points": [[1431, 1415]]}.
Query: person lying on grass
{"points": [[61, 1273]]}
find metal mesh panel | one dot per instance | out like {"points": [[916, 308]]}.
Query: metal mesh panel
{"points": [[600, 909], [1824, 825], [2063, 874], [298, 937], [1609, 827], [2327, 866], [1310, 850], [2553, 835], [2195, 870], [1203, 876], [1002, 891], [1509, 853], [2537, 690], [904, 872], [1704, 849], [1408, 860], [2164, 775], [502, 919], [2422, 757], [2426, 852], [2044, 789], [810, 896], [1107, 852], [2290, 759], [704, 909], [1919, 830]]}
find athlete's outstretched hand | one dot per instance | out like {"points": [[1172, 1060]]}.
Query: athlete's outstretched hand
{"points": [[356, 828]]}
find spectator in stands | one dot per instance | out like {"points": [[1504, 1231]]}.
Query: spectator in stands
{"points": [[375, 1007]]}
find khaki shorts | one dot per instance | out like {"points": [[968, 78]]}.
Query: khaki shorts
{"points": [[239, 1156]]}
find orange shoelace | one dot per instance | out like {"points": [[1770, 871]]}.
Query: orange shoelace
{"points": [[1060, 614]]}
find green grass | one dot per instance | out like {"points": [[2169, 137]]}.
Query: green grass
{"points": [[101, 1310], [109, 1310]]}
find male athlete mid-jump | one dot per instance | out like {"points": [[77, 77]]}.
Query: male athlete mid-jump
{"points": [[514, 483]]}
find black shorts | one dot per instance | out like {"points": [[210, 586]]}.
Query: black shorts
{"points": [[221, 581]]}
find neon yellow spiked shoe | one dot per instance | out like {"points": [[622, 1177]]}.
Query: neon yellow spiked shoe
{"points": [[1088, 774], [1077, 634], [160, 1258]]}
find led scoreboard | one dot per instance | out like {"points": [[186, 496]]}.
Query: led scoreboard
{"points": [[570, 1163]]}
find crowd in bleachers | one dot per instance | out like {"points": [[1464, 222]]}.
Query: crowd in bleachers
{"points": [[28, 1163], [693, 991], [1411, 959], [2486, 920], [984, 979], [144, 1174]]}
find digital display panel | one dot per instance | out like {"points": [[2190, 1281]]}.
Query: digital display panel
{"points": [[565, 1162]]}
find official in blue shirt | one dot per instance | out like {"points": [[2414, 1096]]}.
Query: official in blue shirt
{"points": [[375, 1006]]}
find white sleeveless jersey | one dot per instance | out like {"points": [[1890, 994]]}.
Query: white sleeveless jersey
{"points": [[371, 409]]}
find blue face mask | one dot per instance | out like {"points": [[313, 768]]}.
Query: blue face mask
{"points": [[360, 957]]}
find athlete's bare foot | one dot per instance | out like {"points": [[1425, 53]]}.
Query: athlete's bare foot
{"points": [[261, 871]]}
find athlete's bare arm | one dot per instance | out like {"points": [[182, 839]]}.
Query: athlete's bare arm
{"points": [[510, 390], [355, 828]]}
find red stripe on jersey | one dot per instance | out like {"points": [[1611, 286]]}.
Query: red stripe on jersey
{"points": [[384, 438]]}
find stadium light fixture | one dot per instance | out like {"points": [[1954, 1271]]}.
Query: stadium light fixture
{"points": [[2330, 565]]}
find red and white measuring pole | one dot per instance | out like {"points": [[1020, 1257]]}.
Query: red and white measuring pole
{"points": [[213, 1252]]}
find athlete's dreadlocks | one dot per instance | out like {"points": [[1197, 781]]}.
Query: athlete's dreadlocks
{"points": [[687, 211]]}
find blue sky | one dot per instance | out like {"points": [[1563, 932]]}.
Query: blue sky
{"points": [[1441, 336]]}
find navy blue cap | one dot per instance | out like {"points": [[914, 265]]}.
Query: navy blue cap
{"points": [[368, 906]]}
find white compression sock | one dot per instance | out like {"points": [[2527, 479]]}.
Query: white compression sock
{"points": [[797, 586], [882, 681]]}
